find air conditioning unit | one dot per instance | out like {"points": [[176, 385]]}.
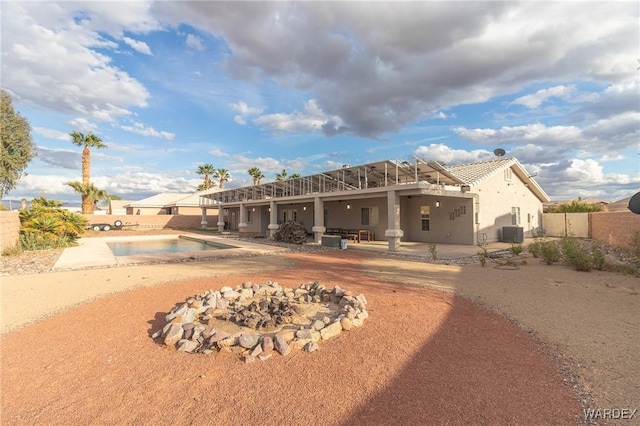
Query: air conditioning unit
{"points": [[512, 234]]}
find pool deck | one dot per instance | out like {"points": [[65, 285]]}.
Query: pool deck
{"points": [[94, 252]]}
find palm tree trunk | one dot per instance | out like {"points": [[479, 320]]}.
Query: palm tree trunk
{"points": [[86, 166], [87, 205]]}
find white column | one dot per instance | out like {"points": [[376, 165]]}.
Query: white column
{"points": [[273, 219], [220, 218], [394, 233], [243, 218], [203, 221], [318, 216]]}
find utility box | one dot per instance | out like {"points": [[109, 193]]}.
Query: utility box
{"points": [[331, 241], [512, 234]]}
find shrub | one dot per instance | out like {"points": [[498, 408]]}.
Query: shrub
{"points": [[535, 248], [46, 225], [550, 252], [597, 257], [516, 249], [576, 254], [483, 255]]}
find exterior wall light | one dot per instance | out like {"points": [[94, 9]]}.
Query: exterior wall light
{"points": [[437, 203], [348, 206]]}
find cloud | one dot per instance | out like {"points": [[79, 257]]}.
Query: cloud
{"points": [[310, 119], [244, 111], [422, 57], [446, 155], [534, 100], [58, 63], [194, 42], [144, 130], [64, 158], [51, 133], [139, 46]]}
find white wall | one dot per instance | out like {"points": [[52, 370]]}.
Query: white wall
{"points": [[496, 198]]}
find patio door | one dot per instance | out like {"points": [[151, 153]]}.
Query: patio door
{"points": [[289, 214]]}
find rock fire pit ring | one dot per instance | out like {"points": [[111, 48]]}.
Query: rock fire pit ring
{"points": [[256, 321]]}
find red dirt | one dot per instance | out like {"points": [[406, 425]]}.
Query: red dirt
{"points": [[421, 358]]}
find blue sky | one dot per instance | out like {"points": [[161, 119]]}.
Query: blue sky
{"points": [[310, 86]]}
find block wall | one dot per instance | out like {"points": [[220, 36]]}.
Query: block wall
{"points": [[9, 229]]}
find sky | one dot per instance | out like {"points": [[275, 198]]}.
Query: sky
{"points": [[311, 86]]}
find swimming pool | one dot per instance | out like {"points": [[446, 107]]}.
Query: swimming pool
{"points": [[162, 246]]}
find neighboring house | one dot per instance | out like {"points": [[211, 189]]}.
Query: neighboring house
{"points": [[171, 204], [119, 207], [588, 200], [394, 201], [619, 206]]}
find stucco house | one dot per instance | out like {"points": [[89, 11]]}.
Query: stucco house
{"points": [[392, 200], [170, 203]]}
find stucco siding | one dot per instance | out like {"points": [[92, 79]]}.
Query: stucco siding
{"points": [[449, 223], [9, 229], [496, 198]]}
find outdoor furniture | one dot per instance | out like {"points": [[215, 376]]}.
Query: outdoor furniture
{"points": [[365, 233]]}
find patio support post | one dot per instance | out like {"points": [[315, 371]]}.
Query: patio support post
{"points": [[273, 219], [243, 218], [318, 219], [203, 221], [220, 218], [394, 233]]}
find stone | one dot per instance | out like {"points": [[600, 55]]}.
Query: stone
{"points": [[224, 289], [256, 351], [287, 335], [156, 334], [246, 293], [231, 295], [173, 334], [346, 324], [247, 284], [304, 333], [311, 347], [317, 325], [178, 311], [216, 337], [249, 359], [228, 342], [222, 303], [331, 330], [265, 356], [185, 345], [357, 322], [281, 345], [248, 341], [299, 344], [267, 344], [208, 331]]}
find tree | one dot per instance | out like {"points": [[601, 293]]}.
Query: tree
{"points": [[88, 141], [282, 176], [223, 176], [256, 174], [294, 176], [575, 207], [90, 195], [46, 225], [206, 170], [17, 146]]}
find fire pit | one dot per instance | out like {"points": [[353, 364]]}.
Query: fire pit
{"points": [[256, 321]]}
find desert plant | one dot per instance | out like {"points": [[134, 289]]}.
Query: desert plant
{"points": [[46, 225], [597, 257], [483, 254], [550, 252], [12, 250], [433, 251], [576, 254], [535, 248], [515, 249]]}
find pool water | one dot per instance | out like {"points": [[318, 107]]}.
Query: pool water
{"points": [[173, 245]]}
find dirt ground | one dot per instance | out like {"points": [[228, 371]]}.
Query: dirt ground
{"points": [[423, 357]]}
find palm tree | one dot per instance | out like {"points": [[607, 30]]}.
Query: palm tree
{"points": [[282, 176], [256, 174], [206, 170], [294, 176], [88, 141], [90, 194], [223, 176]]}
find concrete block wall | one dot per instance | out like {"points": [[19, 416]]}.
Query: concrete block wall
{"points": [[9, 229], [155, 222], [615, 228]]}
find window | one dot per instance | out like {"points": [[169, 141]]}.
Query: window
{"points": [[249, 216], [425, 217], [370, 216], [291, 214], [515, 215]]}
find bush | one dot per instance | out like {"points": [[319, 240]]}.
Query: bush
{"points": [[46, 225], [516, 249], [433, 251], [550, 252], [535, 248], [576, 254]]}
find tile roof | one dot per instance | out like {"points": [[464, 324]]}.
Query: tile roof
{"points": [[476, 172]]}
